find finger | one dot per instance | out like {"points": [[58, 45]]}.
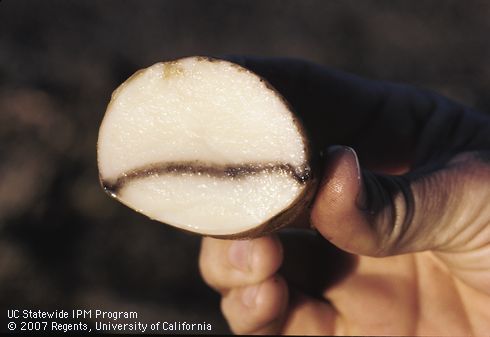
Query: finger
{"points": [[257, 308], [445, 209], [226, 264], [309, 316], [264, 309]]}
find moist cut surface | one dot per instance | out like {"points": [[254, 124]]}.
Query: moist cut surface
{"points": [[203, 145]]}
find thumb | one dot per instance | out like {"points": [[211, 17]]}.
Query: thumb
{"points": [[444, 209]]}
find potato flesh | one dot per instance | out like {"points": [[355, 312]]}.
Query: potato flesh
{"points": [[216, 113], [210, 205]]}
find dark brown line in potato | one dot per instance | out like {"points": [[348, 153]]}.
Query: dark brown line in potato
{"points": [[301, 174]]}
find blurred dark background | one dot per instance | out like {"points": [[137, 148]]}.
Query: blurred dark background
{"points": [[63, 242]]}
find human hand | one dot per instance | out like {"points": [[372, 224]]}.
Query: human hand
{"points": [[411, 227]]}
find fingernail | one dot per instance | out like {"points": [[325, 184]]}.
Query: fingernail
{"points": [[331, 157], [240, 255], [249, 296], [358, 166], [336, 150], [361, 194]]}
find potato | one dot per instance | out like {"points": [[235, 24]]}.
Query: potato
{"points": [[206, 146]]}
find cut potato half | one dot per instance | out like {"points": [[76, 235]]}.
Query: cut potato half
{"points": [[206, 146]]}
